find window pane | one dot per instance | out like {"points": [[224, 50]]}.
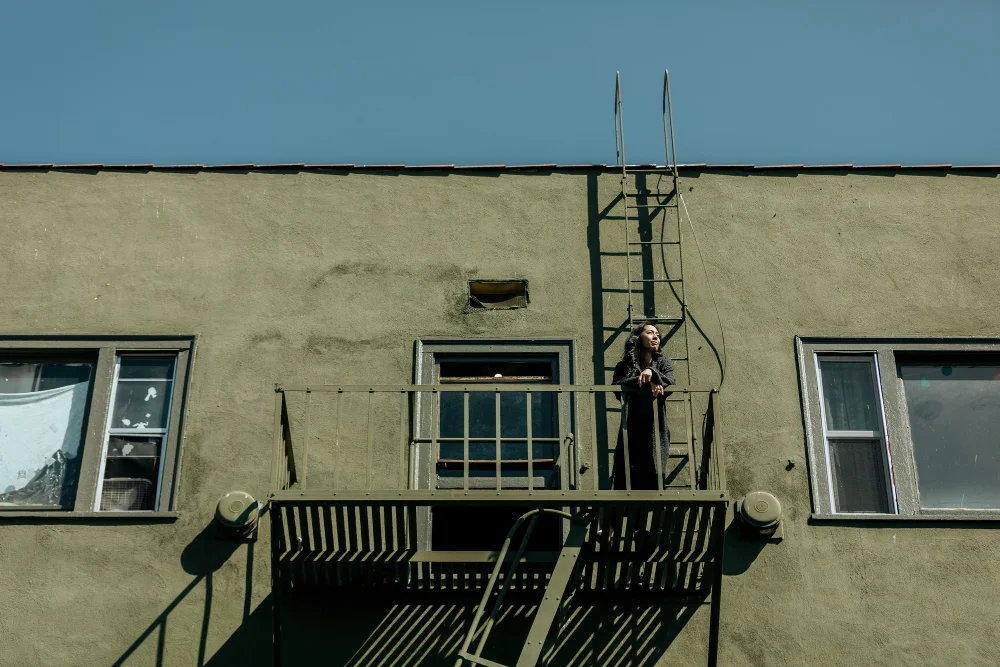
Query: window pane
{"points": [[42, 414], [849, 395], [513, 415], [859, 475], [954, 415], [145, 368], [141, 404], [509, 451], [131, 471]]}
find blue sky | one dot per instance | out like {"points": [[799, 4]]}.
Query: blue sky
{"points": [[500, 82]]}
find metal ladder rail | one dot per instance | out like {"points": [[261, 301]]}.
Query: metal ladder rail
{"points": [[670, 166], [626, 196], [670, 154], [553, 594]]}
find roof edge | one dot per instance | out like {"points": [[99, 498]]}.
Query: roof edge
{"points": [[548, 167]]}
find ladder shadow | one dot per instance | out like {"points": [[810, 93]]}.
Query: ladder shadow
{"points": [[609, 329], [427, 629]]}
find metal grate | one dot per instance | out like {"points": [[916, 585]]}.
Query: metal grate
{"points": [[122, 494]]}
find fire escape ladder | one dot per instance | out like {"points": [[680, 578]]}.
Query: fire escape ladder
{"points": [[552, 599], [650, 205]]}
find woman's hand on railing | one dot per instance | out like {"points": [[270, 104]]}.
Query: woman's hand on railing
{"points": [[657, 389], [645, 377]]}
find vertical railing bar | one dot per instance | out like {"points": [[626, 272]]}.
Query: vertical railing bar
{"points": [[371, 436], [717, 443], [465, 439], [435, 407], [336, 439], [692, 464], [657, 428], [593, 439], [567, 440], [531, 458], [291, 474], [624, 428], [403, 439], [277, 456], [562, 454], [305, 447], [496, 404]]}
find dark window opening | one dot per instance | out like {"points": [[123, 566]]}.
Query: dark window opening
{"points": [[498, 294], [484, 529]]}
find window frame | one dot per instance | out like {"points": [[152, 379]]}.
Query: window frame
{"points": [[426, 353], [895, 416], [106, 350]]}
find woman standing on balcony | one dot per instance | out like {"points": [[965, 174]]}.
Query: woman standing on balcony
{"points": [[642, 373]]}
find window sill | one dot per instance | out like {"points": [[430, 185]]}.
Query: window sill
{"points": [[929, 517], [59, 517]]}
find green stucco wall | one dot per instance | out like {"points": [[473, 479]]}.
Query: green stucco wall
{"points": [[329, 277]]}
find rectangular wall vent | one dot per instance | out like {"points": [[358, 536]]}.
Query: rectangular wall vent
{"points": [[498, 294]]}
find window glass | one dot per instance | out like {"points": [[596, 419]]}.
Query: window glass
{"points": [[858, 478], [849, 394], [141, 367], [954, 414], [137, 431], [43, 407], [858, 461], [131, 473], [141, 404]]}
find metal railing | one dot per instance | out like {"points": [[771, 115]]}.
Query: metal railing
{"points": [[390, 428]]}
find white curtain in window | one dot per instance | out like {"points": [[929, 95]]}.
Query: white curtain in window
{"points": [[36, 425]]}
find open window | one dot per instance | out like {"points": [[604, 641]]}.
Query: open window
{"points": [[44, 405], [90, 424]]}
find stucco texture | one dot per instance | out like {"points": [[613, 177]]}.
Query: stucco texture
{"points": [[330, 277]]}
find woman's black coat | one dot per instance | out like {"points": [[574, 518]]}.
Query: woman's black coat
{"points": [[642, 457]]}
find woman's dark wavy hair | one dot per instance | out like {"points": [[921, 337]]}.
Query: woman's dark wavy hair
{"points": [[631, 355]]}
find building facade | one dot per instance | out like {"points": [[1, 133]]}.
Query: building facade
{"points": [[848, 317]]}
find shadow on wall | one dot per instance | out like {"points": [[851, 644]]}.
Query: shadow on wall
{"points": [[609, 294], [426, 629], [250, 644], [741, 549]]}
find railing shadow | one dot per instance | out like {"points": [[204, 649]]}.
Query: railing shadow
{"points": [[426, 630], [202, 557]]}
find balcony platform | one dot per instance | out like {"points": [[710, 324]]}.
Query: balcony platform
{"points": [[664, 542]]}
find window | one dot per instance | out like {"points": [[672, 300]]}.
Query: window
{"points": [[953, 406], [902, 428], [468, 362], [137, 432], [90, 424], [43, 408], [854, 435], [513, 422]]}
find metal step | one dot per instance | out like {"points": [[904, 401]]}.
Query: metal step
{"points": [[658, 319], [650, 170], [654, 243], [649, 194], [651, 206], [658, 280]]}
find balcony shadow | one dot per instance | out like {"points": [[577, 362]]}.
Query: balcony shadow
{"points": [[427, 629], [202, 557]]}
